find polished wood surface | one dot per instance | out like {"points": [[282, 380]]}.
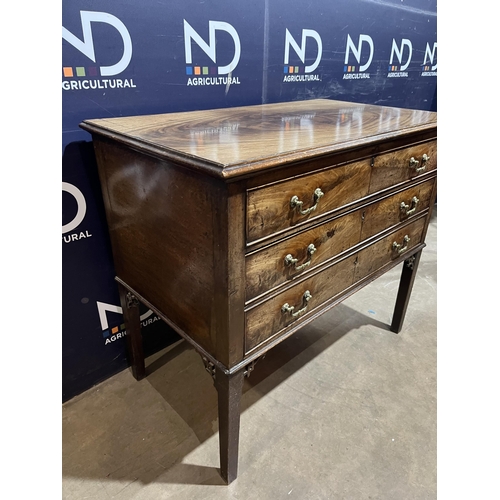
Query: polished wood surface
{"points": [[206, 232], [248, 139]]}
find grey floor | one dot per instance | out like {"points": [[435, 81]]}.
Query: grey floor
{"points": [[344, 409]]}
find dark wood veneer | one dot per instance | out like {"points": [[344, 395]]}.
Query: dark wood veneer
{"points": [[201, 224]]}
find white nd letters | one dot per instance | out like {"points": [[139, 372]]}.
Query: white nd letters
{"points": [[301, 49], [429, 55], [398, 52], [190, 35], [350, 47], [86, 46]]}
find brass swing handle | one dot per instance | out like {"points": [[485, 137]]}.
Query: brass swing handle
{"points": [[400, 248], [415, 163], [287, 308], [290, 260], [409, 209], [296, 203]]}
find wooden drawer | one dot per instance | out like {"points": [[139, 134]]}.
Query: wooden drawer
{"points": [[269, 209], [390, 210], [268, 319], [392, 168], [271, 266], [268, 268], [384, 251]]}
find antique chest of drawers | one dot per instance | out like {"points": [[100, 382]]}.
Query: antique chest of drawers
{"points": [[238, 226]]}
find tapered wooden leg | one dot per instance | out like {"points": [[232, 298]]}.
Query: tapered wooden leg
{"points": [[229, 388], [130, 307], [405, 286]]}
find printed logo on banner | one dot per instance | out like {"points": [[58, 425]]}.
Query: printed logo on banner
{"points": [[117, 329], [398, 70], [78, 218], [428, 67], [93, 76], [302, 72], [201, 72], [359, 53]]}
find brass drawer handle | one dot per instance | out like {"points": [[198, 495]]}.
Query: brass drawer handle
{"points": [[287, 308], [296, 203], [415, 163], [290, 260], [400, 248], [409, 209]]}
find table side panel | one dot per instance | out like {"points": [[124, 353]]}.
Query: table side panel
{"points": [[161, 224]]}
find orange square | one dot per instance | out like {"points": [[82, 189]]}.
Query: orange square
{"points": [[68, 72], [197, 70], [290, 69], [114, 330]]}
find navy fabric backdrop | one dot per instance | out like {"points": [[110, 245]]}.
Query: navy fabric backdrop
{"points": [[125, 57]]}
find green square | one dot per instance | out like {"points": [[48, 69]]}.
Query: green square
{"points": [[80, 71], [205, 70], [296, 69]]}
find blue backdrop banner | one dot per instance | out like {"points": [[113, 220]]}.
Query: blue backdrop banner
{"points": [[124, 57]]}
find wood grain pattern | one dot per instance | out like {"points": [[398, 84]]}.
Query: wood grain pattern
{"points": [[382, 252], [392, 168], [242, 140], [266, 269], [387, 212], [269, 208], [267, 320]]}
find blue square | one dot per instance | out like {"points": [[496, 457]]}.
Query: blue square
{"points": [[285, 69], [189, 70], [105, 333], [390, 68], [345, 69]]}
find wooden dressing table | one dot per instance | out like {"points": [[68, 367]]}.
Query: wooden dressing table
{"points": [[239, 226]]}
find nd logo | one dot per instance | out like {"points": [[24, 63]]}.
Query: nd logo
{"points": [[190, 35]]}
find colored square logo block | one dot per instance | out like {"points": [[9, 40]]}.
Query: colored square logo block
{"points": [[105, 333], [114, 330], [296, 69], [68, 72], [285, 69], [189, 70], [290, 69], [345, 69], [213, 70], [93, 71], [80, 71], [197, 70], [205, 70]]}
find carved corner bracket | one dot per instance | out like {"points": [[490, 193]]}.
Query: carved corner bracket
{"points": [[210, 366], [410, 262], [131, 300]]}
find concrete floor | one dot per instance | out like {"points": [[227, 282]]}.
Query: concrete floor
{"points": [[344, 409]]}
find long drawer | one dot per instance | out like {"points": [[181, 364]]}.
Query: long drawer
{"points": [[282, 205], [270, 318], [286, 204], [295, 256]]}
